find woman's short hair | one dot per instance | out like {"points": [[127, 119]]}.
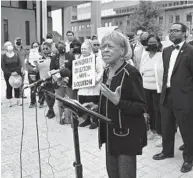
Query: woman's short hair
{"points": [[6, 43], [158, 40], [88, 42], [117, 38]]}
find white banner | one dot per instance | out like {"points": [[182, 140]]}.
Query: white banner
{"points": [[83, 72], [103, 30]]}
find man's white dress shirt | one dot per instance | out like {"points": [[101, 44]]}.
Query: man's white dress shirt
{"points": [[173, 58]]}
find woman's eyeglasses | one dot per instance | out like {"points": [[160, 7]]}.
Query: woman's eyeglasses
{"points": [[36, 46], [96, 44], [45, 48]]}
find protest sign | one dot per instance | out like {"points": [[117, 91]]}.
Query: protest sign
{"points": [[83, 72]]}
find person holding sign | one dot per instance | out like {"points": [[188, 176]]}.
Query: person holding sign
{"points": [[91, 93], [33, 73], [123, 101]]}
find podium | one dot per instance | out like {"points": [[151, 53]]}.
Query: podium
{"points": [[75, 108]]}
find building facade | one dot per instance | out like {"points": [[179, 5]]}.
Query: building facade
{"points": [[118, 13]]}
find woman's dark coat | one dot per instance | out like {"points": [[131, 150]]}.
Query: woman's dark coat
{"points": [[127, 135]]}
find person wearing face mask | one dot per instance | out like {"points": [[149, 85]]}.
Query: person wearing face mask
{"points": [[33, 73], [151, 69], [49, 39], [75, 47], [62, 60], [22, 53], [43, 66], [11, 65], [140, 50]]}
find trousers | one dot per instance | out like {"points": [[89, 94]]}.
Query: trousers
{"points": [[121, 166]]}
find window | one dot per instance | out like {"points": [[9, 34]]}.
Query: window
{"points": [[110, 24], [27, 32], [182, 2], [117, 23], [189, 18], [128, 22], [177, 18], [49, 9], [171, 19], [106, 24], [79, 28], [6, 32], [23, 4], [161, 20], [120, 23]]}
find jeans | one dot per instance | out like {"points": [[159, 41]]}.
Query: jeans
{"points": [[9, 89]]}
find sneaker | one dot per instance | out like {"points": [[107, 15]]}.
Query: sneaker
{"points": [[151, 135], [93, 125], [85, 123], [41, 105], [158, 142], [19, 103], [10, 103], [32, 105]]}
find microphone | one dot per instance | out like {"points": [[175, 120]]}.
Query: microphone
{"points": [[63, 72]]}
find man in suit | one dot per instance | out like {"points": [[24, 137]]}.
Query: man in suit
{"points": [[177, 96]]}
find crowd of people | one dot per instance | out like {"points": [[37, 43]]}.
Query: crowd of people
{"points": [[135, 84]]}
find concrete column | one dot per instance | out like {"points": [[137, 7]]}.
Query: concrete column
{"points": [[66, 21], [44, 19], [38, 21], [95, 16]]}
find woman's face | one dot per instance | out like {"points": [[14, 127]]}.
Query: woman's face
{"points": [[46, 49], [152, 44], [9, 47], [85, 51], [35, 46], [111, 51]]}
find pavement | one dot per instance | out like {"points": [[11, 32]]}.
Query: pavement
{"points": [[57, 149]]}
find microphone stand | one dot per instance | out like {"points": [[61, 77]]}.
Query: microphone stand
{"points": [[76, 107]]}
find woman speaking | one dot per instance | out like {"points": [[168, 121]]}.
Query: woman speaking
{"points": [[123, 101]]}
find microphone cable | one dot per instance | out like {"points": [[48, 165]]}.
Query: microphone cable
{"points": [[47, 131], [22, 135]]}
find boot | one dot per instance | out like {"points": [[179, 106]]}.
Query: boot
{"points": [[50, 114], [85, 123]]}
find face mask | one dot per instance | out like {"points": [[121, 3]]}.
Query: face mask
{"points": [[62, 50], [18, 43], [76, 50], [9, 48], [144, 42], [152, 47]]}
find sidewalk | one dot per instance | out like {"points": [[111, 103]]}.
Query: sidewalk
{"points": [[57, 149]]}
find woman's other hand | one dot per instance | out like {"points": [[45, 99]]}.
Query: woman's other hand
{"points": [[114, 97]]}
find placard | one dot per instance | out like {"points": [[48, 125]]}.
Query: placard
{"points": [[83, 72]]}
